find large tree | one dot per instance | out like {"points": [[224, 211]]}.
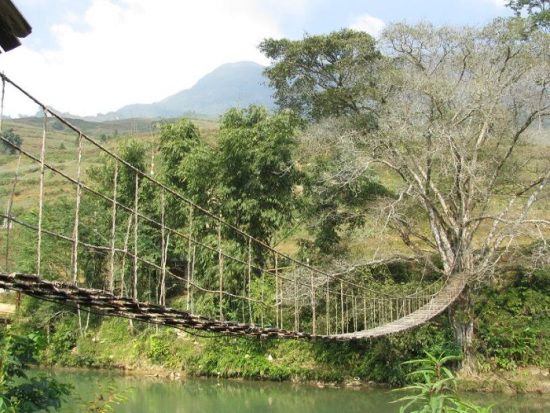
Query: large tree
{"points": [[460, 107], [325, 75]]}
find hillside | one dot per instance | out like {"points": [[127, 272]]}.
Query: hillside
{"points": [[61, 149], [230, 85]]}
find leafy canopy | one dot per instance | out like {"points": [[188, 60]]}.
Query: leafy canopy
{"points": [[324, 75], [247, 177], [537, 10]]}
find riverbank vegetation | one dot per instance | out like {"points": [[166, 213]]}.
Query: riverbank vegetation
{"points": [[397, 162], [512, 322]]}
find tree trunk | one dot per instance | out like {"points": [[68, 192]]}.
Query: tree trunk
{"points": [[462, 321]]}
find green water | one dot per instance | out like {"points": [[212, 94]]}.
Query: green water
{"points": [[225, 396]]}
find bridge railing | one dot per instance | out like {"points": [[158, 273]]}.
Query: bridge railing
{"points": [[118, 228]]}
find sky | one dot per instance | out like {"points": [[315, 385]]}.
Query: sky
{"points": [[94, 56]]}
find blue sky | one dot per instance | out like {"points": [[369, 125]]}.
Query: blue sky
{"points": [[90, 56]]}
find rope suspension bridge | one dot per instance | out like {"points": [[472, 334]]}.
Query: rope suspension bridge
{"points": [[157, 244]]}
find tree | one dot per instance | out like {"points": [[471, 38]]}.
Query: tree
{"points": [[324, 78], [247, 177], [325, 75], [537, 10], [18, 391], [334, 198], [256, 171], [13, 139], [454, 131]]}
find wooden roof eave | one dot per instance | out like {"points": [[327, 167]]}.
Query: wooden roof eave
{"points": [[13, 26]]}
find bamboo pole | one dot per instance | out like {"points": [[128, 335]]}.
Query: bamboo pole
{"points": [[189, 264], [313, 307], [342, 303], [77, 212], [163, 246], [249, 276], [220, 269], [327, 305], [364, 312], [41, 194], [113, 230], [296, 313], [136, 206]]}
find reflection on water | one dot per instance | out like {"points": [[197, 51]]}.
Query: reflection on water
{"points": [[145, 395]]}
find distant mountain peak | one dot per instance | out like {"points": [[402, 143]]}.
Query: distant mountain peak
{"points": [[236, 84]]}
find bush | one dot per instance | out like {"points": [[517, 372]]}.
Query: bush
{"points": [[18, 391]]}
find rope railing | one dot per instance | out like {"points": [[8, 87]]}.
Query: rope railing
{"points": [[219, 275]]}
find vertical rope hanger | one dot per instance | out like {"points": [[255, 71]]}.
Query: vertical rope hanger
{"points": [[163, 246], [189, 252], [313, 313], [136, 206], [277, 300], [342, 304], [327, 307], [41, 194], [336, 321], [249, 275], [113, 230], [125, 255], [364, 312], [192, 275], [77, 213], [296, 315], [220, 269], [355, 317]]}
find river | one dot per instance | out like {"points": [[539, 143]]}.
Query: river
{"points": [[150, 395]]}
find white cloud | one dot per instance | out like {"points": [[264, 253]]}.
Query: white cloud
{"points": [[499, 3], [130, 51], [367, 23]]}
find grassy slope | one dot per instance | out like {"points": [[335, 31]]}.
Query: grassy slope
{"points": [[61, 151]]}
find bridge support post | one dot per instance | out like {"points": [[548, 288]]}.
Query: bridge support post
{"points": [[41, 193]]}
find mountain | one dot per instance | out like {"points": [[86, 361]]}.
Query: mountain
{"points": [[230, 85]]}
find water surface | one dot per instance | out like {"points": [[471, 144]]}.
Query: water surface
{"points": [[146, 395]]}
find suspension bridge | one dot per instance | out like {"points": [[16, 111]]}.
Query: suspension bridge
{"points": [[143, 243]]}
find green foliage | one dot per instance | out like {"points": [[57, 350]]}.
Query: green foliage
{"points": [[246, 178], [160, 346], [256, 171], [508, 319], [537, 10], [434, 388], [176, 142], [513, 321], [20, 392], [331, 206], [325, 75], [13, 139]]}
